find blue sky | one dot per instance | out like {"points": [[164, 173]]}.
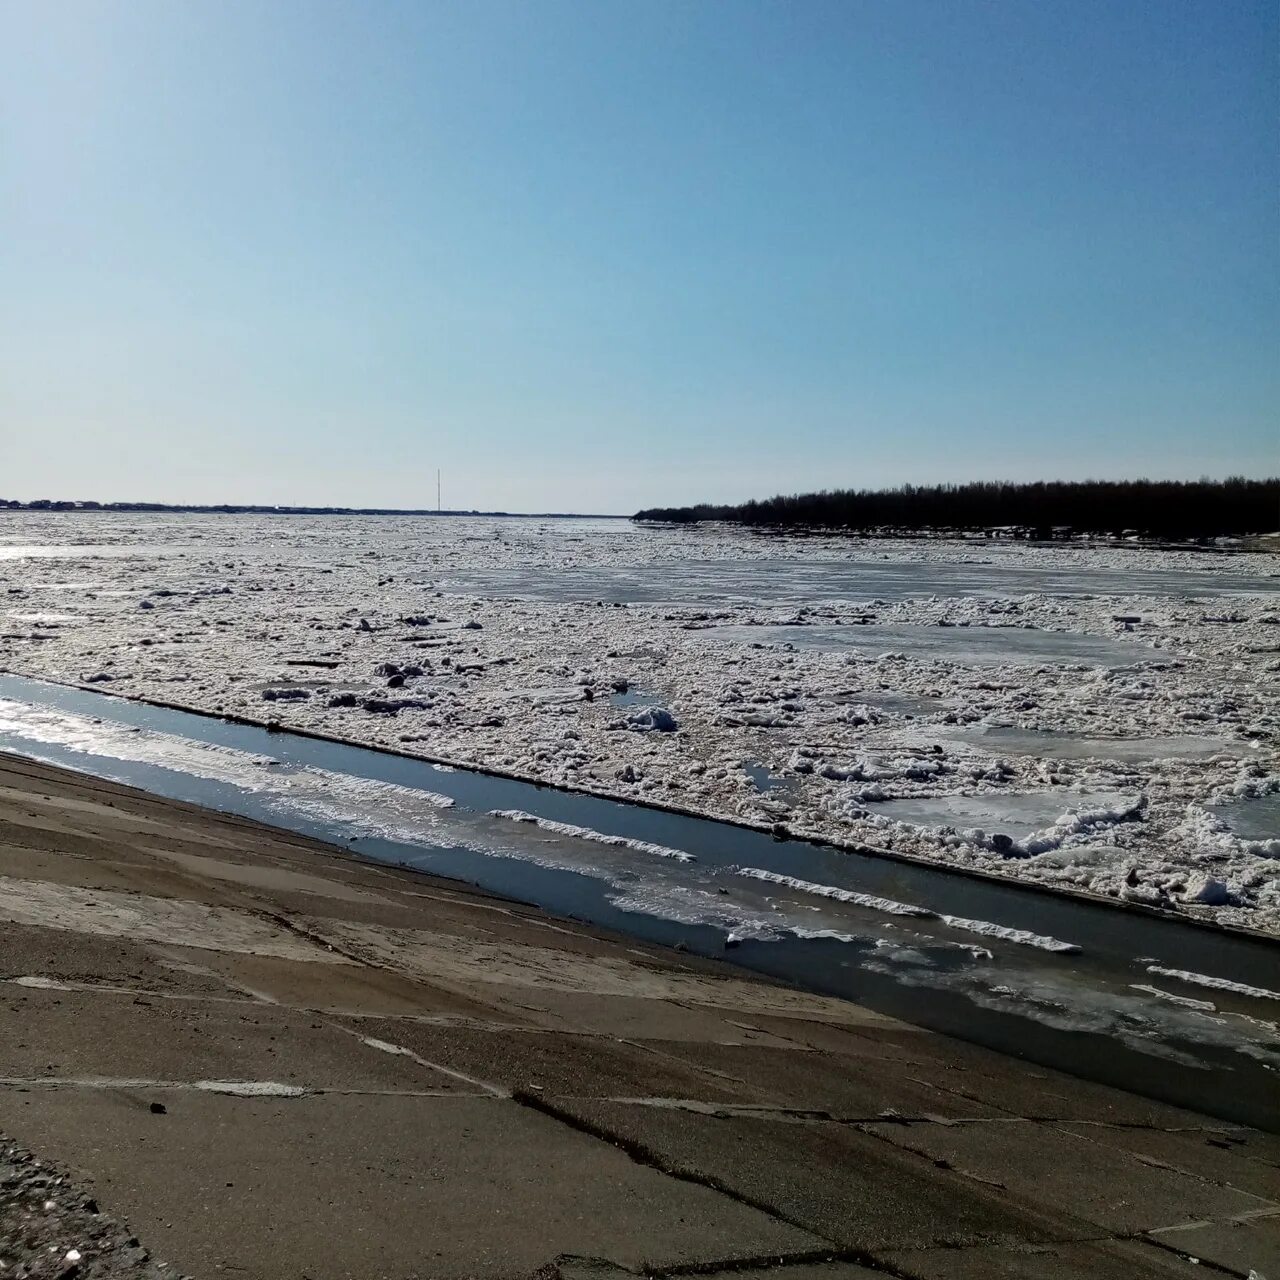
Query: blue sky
{"points": [[596, 255]]}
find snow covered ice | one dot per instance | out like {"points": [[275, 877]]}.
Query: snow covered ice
{"points": [[995, 708]]}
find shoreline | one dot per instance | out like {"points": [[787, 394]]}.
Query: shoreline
{"points": [[1250, 543], [492, 1090], [973, 873]]}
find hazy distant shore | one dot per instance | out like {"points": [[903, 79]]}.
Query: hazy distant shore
{"points": [[250, 509]]}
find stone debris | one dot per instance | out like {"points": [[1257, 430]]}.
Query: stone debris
{"points": [[51, 1230]]}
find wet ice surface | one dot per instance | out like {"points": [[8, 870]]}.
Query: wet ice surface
{"points": [[1081, 670], [1065, 746], [1019, 815], [907, 704], [888, 576], [1143, 1003], [1252, 819], [78, 551], [968, 645]]}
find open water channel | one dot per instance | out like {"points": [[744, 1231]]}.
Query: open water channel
{"points": [[1161, 1007]]}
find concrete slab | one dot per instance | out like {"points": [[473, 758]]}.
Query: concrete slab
{"points": [[595, 1269], [1226, 1160], [631, 1017], [1072, 1261], [66, 867], [1036, 1164], [38, 951], [845, 1185], [1029, 1090], [382, 1188], [1260, 1145], [462, 960], [1009, 1085], [253, 874], [552, 1062], [275, 974], [148, 918], [806, 1271], [171, 1040], [840, 1085], [1247, 1247], [338, 988], [858, 1040]]}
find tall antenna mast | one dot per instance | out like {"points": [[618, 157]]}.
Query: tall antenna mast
{"points": [[437, 491]]}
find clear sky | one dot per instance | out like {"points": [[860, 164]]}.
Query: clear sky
{"points": [[599, 255]]}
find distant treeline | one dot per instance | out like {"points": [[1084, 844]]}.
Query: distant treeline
{"points": [[235, 509], [1152, 508]]}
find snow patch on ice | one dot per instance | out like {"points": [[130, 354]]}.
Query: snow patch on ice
{"points": [[1085, 821]]}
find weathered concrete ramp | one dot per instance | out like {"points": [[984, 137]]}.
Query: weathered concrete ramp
{"points": [[247, 1054]]}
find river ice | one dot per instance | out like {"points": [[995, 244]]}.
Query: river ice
{"points": [[878, 681]]}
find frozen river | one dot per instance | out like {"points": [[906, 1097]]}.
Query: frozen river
{"points": [[1095, 720]]}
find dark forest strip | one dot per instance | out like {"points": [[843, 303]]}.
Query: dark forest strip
{"points": [[1044, 509]]}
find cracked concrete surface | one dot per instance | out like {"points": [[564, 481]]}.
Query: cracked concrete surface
{"points": [[268, 1058]]}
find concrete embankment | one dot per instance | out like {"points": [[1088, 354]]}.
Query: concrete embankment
{"points": [[241, 1052]]}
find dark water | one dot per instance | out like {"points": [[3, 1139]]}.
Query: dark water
{"points": [[1080, 1012], [635, 698], [764, 780]]}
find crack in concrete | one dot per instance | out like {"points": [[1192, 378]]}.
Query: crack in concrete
{"points": [[1193, 1258], [772, 1262], [34, 982], [399, 1050], [234, 1088], [643, 1155], [229, 1088]]}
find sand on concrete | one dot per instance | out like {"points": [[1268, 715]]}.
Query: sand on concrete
{"points": [[269, 1058]]}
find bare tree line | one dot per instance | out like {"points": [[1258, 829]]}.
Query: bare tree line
{"points": [[1155, 508]]}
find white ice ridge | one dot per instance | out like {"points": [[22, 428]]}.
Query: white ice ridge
{"points": [[1185, 1002], [870, 901], [1217, 984], [1021, 936], [586, 833]]}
